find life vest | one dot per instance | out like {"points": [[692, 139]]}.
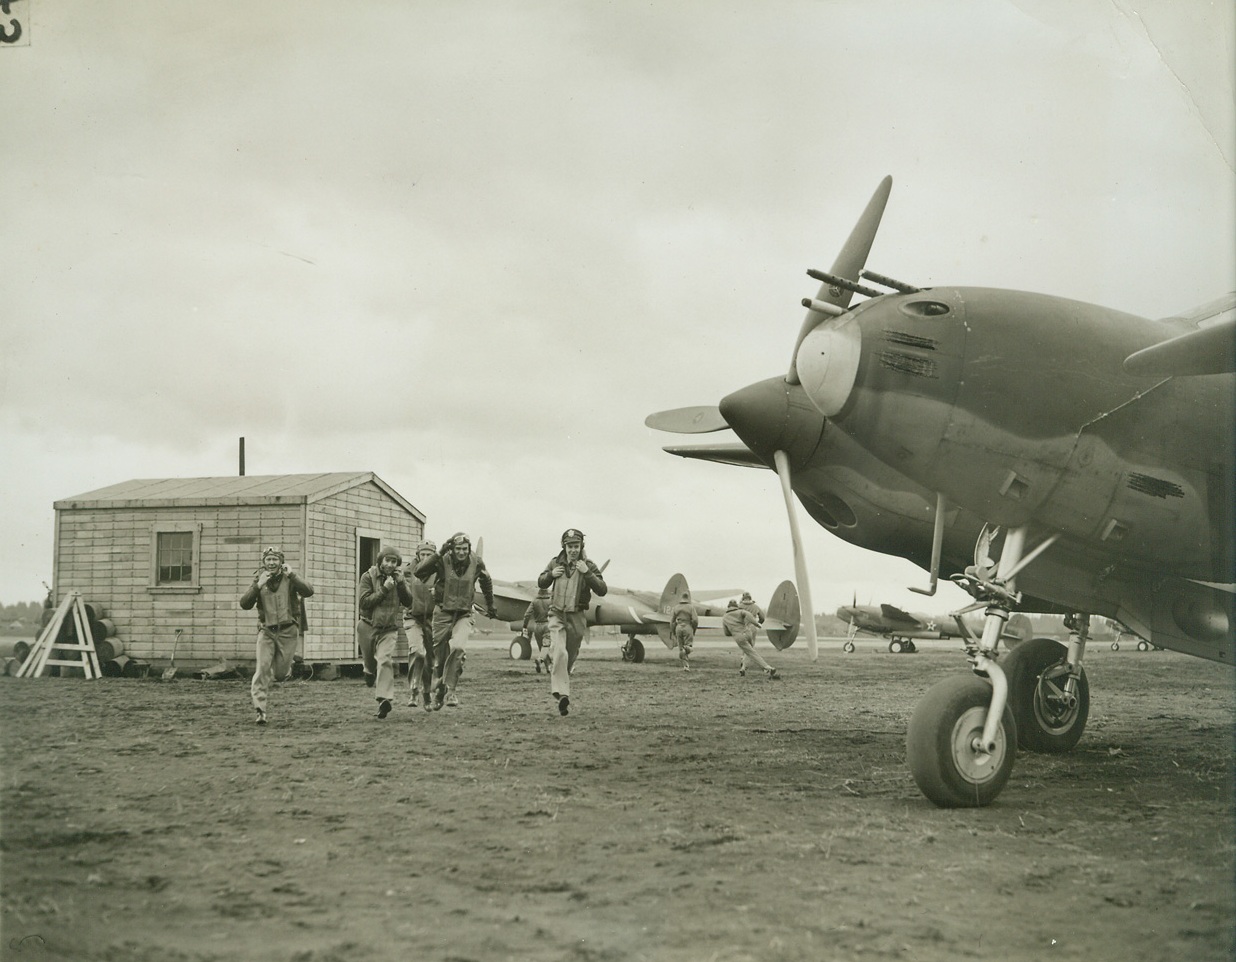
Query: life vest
{"points": [[565, 594], [277, 602], [422, 596], [457, 589]]}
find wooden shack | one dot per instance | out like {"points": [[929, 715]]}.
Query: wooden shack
{"points": [[168, 554]]}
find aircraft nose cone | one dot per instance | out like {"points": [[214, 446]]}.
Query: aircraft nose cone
{"points": [[827, 363], [773, 415], [756, 412]]}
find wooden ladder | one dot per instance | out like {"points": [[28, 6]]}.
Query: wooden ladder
{"points": [[87, 658]]}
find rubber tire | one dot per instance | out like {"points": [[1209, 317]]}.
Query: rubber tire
{"points": [[1024, 666], [895, 646], [633, 651], [848, 647], [521, 648], [949, 713]]}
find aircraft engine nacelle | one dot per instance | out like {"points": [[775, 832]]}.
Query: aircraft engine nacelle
{"points": [[604, 612], [1017, 407]]}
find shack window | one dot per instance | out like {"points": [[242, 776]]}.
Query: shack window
{"points": [[175, 556], [175, 559]]}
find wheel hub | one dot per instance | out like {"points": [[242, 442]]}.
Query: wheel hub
{"points": [[1055, 707], [973, 764]]}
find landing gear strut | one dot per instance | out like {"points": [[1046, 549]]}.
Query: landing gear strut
{"points": [[950, 761], [963, 737], [1049, 691]]}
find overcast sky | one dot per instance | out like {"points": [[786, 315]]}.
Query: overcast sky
{"points": [[469, 246]]}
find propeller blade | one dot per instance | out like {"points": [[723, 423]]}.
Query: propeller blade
{"points": [[782, 461], [849, 264], [738, 455], [702, 419]]}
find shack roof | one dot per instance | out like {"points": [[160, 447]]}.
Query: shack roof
{"points": [[239, 490]]}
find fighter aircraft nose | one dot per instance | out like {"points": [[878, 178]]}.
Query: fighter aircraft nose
{"points": [[828, 363], [757, 413], [773, 415]]}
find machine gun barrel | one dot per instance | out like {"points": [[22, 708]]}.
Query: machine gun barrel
{"points": [[845, 285], [822, 307], [889, 282]]}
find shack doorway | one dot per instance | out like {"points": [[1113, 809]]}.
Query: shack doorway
{"points": [[368, 544]]}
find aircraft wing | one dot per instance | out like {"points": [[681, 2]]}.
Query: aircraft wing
{"points": [[736, 454], [717, 622], [622, 596], [899, 617], [510, 591], [716, 593], [1198, 316]]}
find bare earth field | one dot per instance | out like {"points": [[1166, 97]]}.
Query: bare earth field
{"points": [[670, 816]]}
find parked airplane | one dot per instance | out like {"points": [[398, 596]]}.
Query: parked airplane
{"points": [[637, 613], [1045, 454], [902, 628]]}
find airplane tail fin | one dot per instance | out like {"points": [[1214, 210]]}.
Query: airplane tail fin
{"points": [[673, 591], [783, 610]]}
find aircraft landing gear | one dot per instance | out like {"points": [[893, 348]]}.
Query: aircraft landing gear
{"points": [[962, 738], [945, 744], [1142, 644], [898, 645], [848, 647], [1048, 690], [633, 650], [521, 648]]}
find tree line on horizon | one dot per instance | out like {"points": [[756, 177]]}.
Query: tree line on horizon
{"points": [[29, 612]]}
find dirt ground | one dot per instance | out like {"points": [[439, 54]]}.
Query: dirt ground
{"points": [[671, 817]]}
